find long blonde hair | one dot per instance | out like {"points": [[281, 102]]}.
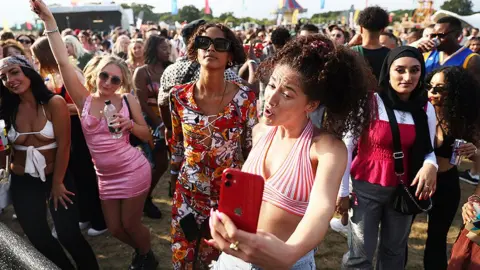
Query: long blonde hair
{"points": [[98, 63], [131, 57], [77, 46]]}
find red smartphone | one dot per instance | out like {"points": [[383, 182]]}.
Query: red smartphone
{"points": [[241, 198]]}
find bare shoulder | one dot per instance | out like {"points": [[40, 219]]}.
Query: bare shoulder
{"points": [[326, 145], [56, 102], [56, 106]]}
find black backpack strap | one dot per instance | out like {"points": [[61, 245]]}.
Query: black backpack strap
{"points": [[397, 145]]}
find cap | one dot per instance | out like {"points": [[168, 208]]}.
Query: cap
{"points": [[190, 28]]}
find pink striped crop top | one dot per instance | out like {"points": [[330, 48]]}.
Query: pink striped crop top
{"points": [[289, 187]]}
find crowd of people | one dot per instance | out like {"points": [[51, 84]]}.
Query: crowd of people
{"points": [[360, 123]]}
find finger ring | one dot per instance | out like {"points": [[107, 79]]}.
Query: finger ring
{"points": [[234, 246]]}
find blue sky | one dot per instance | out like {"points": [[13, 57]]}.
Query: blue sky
{"points": [[17, 11]]}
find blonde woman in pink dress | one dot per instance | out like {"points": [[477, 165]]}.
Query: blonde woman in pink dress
{"points": [[124, 174]]}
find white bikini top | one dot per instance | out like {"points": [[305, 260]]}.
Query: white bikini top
{"points": [[46, 132], [35, 163]]}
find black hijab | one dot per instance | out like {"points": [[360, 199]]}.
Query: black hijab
{"points": [[414, 105]]}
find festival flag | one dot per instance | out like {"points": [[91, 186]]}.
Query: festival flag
{"points": [[279, 18], [280, 3], [207, 8], [295, 16], [74, 2], [322, 4], [174, 7], [29, 26]]}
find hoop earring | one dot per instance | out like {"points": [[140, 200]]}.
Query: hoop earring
{"points": [[230, 64]]}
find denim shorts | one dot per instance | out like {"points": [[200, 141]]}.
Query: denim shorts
{"points": [[228, 262]]}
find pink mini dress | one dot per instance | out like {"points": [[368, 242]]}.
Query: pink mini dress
{"points": [[123, 171]]}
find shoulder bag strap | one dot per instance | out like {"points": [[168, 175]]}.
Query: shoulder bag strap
{"points": [[128, 106], [397, 145]]}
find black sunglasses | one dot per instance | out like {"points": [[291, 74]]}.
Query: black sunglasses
{"points": [[25, 41], [220, 44], [104, 76], [436, 89], [337, 36], [441, 35]]}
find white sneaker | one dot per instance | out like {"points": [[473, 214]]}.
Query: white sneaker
{"points": [[83, 225], [93, 232], [336, 225], [54, 233]]}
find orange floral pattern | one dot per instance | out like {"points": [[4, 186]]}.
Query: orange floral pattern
{"points": [[229, 135]]}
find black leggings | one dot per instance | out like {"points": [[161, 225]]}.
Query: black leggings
{"points": [[29, 196], [440, 218], [81, 166]]}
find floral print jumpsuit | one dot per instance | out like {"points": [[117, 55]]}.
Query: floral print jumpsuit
{"points": [[229, 135]]}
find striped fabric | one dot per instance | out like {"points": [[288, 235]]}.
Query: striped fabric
{"points": [[289, 187]]}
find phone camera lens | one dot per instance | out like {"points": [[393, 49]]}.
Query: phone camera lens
{"points": [[228, 176], [228, 184]]}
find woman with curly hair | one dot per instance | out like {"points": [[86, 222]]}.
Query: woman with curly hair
{"points": [[375, 171], [455, 95], [212, 122], [302, 165]]}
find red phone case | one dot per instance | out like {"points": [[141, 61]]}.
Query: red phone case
{"points": [[241, 198]]}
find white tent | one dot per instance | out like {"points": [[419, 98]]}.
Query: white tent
{"points": [[472, 20]]}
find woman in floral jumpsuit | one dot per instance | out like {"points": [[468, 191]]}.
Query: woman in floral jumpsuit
{"points": [[204, 142]]}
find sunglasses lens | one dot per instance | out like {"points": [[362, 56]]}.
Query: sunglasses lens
{"points": [[103, 76], [24, 41], [116, 80], [202, 43], [222, 45]]}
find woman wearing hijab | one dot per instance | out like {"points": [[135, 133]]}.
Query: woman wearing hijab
{"points": [[373, 171]]}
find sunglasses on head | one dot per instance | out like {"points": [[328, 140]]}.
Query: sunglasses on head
{"points": [[25, 41], [220, 44], [436, 89], [104, 76]]}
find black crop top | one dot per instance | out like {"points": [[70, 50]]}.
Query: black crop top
{"points": [[446, 149]]}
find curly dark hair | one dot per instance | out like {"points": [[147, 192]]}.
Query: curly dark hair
{"points": [[9, 101], [150, 51], [461, 110], [236, 50], [280, 36], [374, 19], [335, 76]]}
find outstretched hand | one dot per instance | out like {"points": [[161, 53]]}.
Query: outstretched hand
{"points": [[41, 9]]}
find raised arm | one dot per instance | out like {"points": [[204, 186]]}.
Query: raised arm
{"points": [[75, 88]]}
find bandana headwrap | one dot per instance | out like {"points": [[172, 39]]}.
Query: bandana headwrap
{"points": [[15, 60]]}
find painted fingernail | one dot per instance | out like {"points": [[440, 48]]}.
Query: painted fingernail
{"points": [[55, 209], [66, 208], [220, 215]]}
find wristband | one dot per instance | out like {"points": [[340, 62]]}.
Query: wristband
{"points": [[172, 172], [46, 32], [474, 198]]}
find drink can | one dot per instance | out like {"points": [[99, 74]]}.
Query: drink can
{"points": [[456, 158]]}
